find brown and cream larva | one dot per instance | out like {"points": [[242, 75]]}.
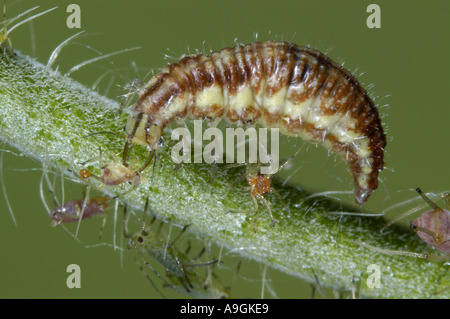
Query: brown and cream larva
{"points": [[276, 84]]}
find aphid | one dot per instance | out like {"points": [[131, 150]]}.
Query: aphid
{"points": [[433, 227], [276, 84], [116, 174], [175, 262], [179, 267], [75, 210], [205, 286], [112, 173], [72, 211], [259, 186]]}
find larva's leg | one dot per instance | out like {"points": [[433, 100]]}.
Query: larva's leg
{"points": [[125, 153], [147, 162]]}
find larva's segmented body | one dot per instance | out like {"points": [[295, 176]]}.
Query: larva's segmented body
{"points": [[277, 84]]}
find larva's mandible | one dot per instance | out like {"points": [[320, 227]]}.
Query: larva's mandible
{"points": [[277, 84]]}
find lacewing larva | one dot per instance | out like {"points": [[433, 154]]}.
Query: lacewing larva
{"points": [[276, 84]]}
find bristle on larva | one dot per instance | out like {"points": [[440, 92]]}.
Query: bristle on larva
{"points": [[278, 85]]}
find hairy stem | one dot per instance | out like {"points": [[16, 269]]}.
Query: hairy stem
{"points": [[49, 117]]}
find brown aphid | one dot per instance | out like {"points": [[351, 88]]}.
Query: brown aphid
{"points": [[433, 226], [259, 184], [71, 211], [274, 84]]}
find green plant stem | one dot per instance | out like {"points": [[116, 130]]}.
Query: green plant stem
{"points": [[47, 116]]}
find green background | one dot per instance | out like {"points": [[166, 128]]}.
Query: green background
{"points": [[404, 65]]}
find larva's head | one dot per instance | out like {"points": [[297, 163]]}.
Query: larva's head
{"points": [[140, 131]]}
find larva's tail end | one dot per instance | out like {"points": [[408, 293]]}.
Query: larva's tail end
{"points": [[362, 195]]}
